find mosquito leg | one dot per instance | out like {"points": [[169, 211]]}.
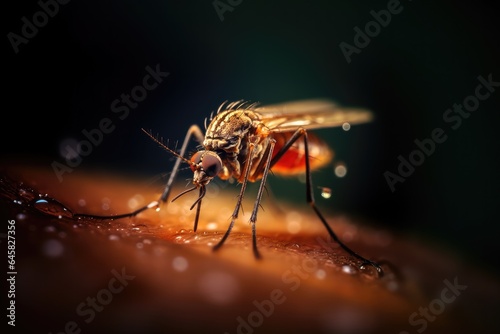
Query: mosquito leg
{"points": [[253, 217], [248, 166], [310, 200], [130, 214], [310, 197], [193, 130], [230, 227], [233, 218]]}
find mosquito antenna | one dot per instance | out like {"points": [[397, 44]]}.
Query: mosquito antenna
{"points": [[183, 193], [160, 176], [165, 147], [196, 203]]}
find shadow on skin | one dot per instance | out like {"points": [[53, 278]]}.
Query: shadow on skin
{"points": [[152, 273]]}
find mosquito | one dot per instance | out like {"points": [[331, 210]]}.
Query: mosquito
{"points": [[245, 141]]}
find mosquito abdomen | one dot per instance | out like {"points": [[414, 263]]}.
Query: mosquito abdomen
{"points": [[294, 160]]}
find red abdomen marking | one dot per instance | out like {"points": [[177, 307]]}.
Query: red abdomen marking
{"points": [[294, 160]]}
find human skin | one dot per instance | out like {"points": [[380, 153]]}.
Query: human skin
{"points": [[152, 273]]}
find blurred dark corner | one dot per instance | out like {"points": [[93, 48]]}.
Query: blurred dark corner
{"points": [[425, 60]]}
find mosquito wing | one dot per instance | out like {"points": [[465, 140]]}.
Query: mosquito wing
{"points": [[310, 114]]}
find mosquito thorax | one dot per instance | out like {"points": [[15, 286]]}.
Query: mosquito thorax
{"points": [[228, 128]]}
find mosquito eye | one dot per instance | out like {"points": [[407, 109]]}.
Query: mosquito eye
{"points": [[211, 164], [196, 158]]}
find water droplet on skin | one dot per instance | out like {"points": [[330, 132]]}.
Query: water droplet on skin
{"points": [[113, 237], [369, 272], [348, 269], [52, 207]]}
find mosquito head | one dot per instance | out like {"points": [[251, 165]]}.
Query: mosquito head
{"points": [[205, 166]]}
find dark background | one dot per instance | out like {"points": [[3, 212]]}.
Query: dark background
{"points": [[428, 58]]}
